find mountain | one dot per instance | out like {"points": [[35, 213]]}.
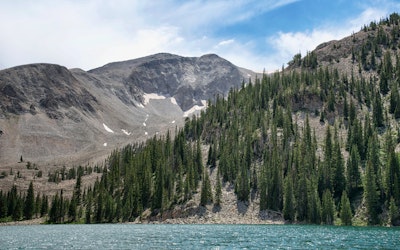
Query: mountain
{"points": [[317, 142], [51, 114]]}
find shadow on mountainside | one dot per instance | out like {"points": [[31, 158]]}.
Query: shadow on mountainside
{"points": [[242, 207]]}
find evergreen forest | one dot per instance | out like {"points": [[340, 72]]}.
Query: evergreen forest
{"points": [[314, 143]]}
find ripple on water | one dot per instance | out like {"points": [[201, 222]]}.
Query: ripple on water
{"points": [[120, 236]]}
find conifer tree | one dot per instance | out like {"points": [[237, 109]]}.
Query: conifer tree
{"points": [[353, 171], [29, 204], [88, 211], [394, 213], [392, 176], [206, 194], [326, 173], [328, 212], [371, 193], [17, 213], [378, 111], [72, 209], [38, 205], [3, 205], [55, 210], [288, 200], [339, 180], [314, 204], [44, 205], [301, 198], [345, 210], [218, 191]]}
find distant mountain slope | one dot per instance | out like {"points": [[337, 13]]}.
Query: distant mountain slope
{"points": [[317, 142], [361, 52], [48, 112], [42, 86], [188, 79]]}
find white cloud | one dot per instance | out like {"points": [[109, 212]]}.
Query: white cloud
{"points": [[90, 33], [226, 42]]}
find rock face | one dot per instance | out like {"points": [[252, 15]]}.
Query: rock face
{"points": [[50, 114], [45, 86], [188, 79]]}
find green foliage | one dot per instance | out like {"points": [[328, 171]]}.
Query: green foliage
{"points": [[29, 204], [288, 201], [345, 210], [206, 193], [371, 193], [394, 214], [218, 191], [327, 208], [259, 139]]}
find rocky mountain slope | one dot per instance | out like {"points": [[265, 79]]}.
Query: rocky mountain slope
{"points": [[53, 115]]}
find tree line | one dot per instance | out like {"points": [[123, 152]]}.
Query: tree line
{"points": [[264, 140]]}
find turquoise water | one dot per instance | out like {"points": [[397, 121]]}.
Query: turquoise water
{"points": [[123, 236]]}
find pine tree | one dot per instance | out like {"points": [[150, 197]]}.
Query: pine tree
{"points": [[378, 111], [288, 200], [394, 213], [353, 171], [29, 203], [326, 173], [218, 191], [38, 205], [371, 194], [314, 205], [88, 211], [345, 210], [44, 205], [206, 194], [55, 208], [392, 174], [301, 198], [72, 209], [242, 184], [17, 213], [339, 180], [3, 205], [328, 212]]}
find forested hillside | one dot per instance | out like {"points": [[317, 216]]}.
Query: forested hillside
{"points": [[314, 141]]}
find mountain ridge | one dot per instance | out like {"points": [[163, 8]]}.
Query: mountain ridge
{"points": [[74, 100], [310, 144]]}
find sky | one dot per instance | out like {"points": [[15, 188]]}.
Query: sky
{"points": [[254, 34]]}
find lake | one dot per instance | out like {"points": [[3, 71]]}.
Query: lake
{"points": [[129, 236]]}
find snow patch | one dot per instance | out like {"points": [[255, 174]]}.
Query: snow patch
{"points": [[105, 144], [195, 108], [126, 132], [154, 96], [107, 128], [145, 133], [173, 101], [144, 124], [141, 105], [173, 122]]}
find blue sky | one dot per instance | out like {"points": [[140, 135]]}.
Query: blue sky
{"points": [[254, 34]]}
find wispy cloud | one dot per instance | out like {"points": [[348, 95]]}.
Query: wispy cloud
{"points": [[90, 33]]}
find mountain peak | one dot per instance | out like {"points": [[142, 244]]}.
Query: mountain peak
{"points": [[134, 99]]}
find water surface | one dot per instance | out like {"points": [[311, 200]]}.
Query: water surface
{"points": [[124, 236]]}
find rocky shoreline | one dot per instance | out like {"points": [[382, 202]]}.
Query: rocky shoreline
{"points": [[231, 211]]}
